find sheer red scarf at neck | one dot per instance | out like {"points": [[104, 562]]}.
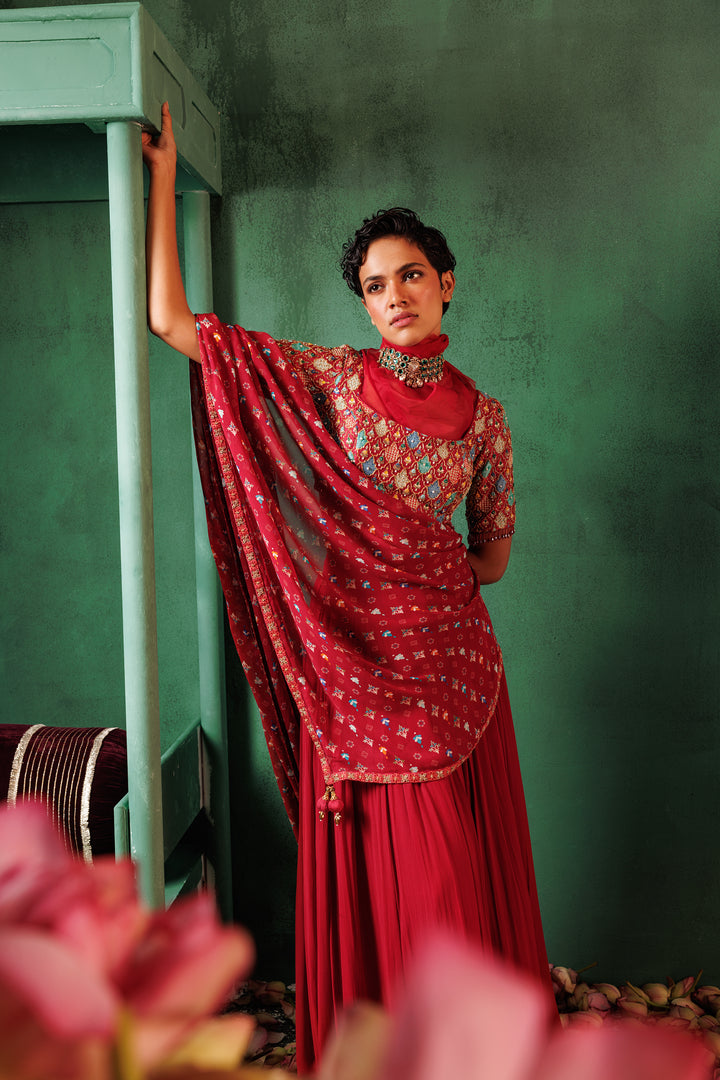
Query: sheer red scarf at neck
{"points": [[444, 408], [351, 613]]}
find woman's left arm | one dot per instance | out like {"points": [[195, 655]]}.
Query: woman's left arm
{"points": [[489, 560], [490, 502]]}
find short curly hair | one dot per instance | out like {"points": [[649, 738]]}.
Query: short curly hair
{"points": [[398, 221]]}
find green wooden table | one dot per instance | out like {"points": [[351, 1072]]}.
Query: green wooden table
{"points": [[77, 86]]}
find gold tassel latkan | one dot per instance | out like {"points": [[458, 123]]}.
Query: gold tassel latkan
{"points": [[329, 801]]}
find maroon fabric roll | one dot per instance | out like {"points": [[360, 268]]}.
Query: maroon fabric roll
{"points": [[80, 772]]}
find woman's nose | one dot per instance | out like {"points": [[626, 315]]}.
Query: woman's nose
{"points": [[397, 295]]}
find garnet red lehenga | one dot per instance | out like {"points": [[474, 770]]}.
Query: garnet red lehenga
{"points": [[329, 488]]}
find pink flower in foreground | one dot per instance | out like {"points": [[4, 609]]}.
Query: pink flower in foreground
{"points": [[54, 996], [77, 948], [181, 970], [460, 1018], [92, 911], [467, 1016]]}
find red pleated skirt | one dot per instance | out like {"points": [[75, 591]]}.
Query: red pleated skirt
{"points": [[406, 858]]}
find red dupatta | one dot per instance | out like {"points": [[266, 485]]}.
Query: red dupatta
{"points": [[351, 613]]}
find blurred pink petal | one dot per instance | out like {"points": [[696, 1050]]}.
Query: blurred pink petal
{"points": [[33, 859], [29, 1052], [359, 1045], [621, 1051], [187, 962], [668, 1021], [459, 1017], [75, 943], [105, 921], [583, 1019], [182, 969], [27, 830], [154, 1037], [94, 908], [65, 994], [218, 1043]]}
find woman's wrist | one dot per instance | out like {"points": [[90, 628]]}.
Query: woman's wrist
{"points": [[162, 172]]}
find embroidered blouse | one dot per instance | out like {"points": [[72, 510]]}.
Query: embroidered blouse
{"points": [[422, 469]]}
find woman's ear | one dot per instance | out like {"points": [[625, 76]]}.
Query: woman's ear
{"points": [[448, 285]]}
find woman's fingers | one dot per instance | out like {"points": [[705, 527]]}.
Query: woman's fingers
{"points": [[156, 147], [166, 139], [166, 128]]}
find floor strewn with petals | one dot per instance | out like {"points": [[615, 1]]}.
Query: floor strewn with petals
{"points": [[682, 1004], [273, 1006]]}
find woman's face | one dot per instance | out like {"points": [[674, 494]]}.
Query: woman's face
{"points": [[402, 291]]}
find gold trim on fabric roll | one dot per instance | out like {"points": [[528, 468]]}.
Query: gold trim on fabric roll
{"points": [[52, 768], [86, 788], [72, 796], [18, 762]]}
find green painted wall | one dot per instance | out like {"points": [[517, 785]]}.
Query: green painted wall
{"points": [[61, 619], [571, 152]]}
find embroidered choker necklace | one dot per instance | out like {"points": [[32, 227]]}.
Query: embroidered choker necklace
{"points": [[414, 371]]}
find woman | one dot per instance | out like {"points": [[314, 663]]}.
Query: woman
{"points": [[330, 478]]}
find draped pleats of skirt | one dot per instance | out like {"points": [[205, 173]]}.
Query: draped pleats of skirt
{"points": [[407, 858]]}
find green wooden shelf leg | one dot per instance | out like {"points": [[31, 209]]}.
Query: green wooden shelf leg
{"points": [[198, 284], [132, 402]]}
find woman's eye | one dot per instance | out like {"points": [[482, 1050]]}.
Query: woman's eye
{"points": [[374, 287], [412, 274]]}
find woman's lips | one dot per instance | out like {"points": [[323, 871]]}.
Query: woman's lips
{"points": [[402, 320]]}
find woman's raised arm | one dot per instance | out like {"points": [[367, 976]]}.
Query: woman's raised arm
{"points": [[169, 316]]}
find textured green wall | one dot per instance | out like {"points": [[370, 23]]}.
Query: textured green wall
{"points": [[61, 619], [571, 152]]}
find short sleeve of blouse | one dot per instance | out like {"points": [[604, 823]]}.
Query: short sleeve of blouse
{"points": [[490, 503]]}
